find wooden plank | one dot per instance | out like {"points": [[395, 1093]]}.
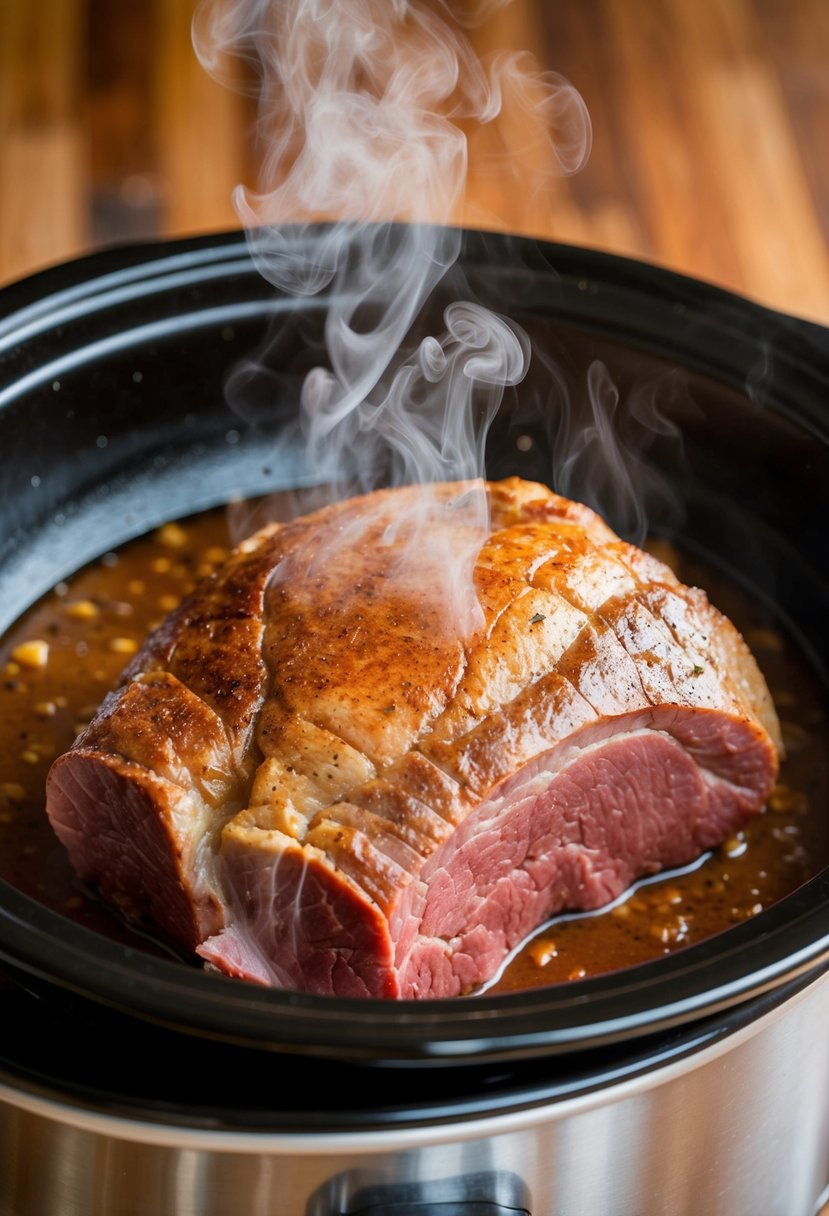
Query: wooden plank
{"points": [[43, 216], [796, 39], [123, 180], [576, 42], [676, 187], [200, 129], [514, 182], [764, 194]]}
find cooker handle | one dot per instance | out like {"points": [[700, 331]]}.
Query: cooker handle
{"points": [[490, 1193], [472, 1207]]}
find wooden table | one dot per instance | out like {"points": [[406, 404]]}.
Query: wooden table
{"points": [[710, 135]]}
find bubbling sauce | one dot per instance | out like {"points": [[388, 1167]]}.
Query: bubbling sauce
{"points": [[60, 659]]}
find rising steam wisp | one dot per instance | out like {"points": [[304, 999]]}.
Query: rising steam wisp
{"points": [[363, 110]]}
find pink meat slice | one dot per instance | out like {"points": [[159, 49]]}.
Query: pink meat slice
{"points": [[310, 778]]}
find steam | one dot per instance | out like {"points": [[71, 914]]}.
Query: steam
{"points": [[364, 107], [602, 448]]}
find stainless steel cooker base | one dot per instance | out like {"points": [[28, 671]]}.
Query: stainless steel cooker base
{"points": [[738, 1128]]}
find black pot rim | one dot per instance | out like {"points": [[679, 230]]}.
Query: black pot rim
{"points": [[243, 1097], [784, 942]]}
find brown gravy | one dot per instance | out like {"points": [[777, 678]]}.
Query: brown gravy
{"points": [[60, 659]]}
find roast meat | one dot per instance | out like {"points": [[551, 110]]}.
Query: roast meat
{"points": [[312, 779]]}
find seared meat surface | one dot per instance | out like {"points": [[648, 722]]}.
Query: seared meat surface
{"points": [[314, 778]]}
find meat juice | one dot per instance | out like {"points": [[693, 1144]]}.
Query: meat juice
{"points": [[60, 659]]}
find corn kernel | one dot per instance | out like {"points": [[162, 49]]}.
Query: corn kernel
{"points": [[578, 973], [12, 791], [123, 645], [542, 951], [32, 654], [82, 610], [29, 756], [162, 565], [172, 535], [136, 586], [734, 846], [42, 749], [12, 669], [214, 554], [784, 801], [168, 602], [45, 709]]}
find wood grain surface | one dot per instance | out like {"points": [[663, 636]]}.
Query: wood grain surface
{"points": [[710, 135]]}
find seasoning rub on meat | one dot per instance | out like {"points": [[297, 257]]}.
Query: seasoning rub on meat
{"points": [[312, 781]]}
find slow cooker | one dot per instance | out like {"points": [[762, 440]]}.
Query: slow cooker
{"points": [[132, 1084]]}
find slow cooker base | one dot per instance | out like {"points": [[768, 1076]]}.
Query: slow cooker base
{"points": [[736, 1129]]}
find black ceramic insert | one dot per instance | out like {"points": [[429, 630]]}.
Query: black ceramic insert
{"points": [[114, 418]]}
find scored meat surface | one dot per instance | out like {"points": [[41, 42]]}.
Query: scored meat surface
{"points": [[311, 778]]}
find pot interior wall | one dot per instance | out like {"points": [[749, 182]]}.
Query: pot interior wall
{"points": [[116, 418]]}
